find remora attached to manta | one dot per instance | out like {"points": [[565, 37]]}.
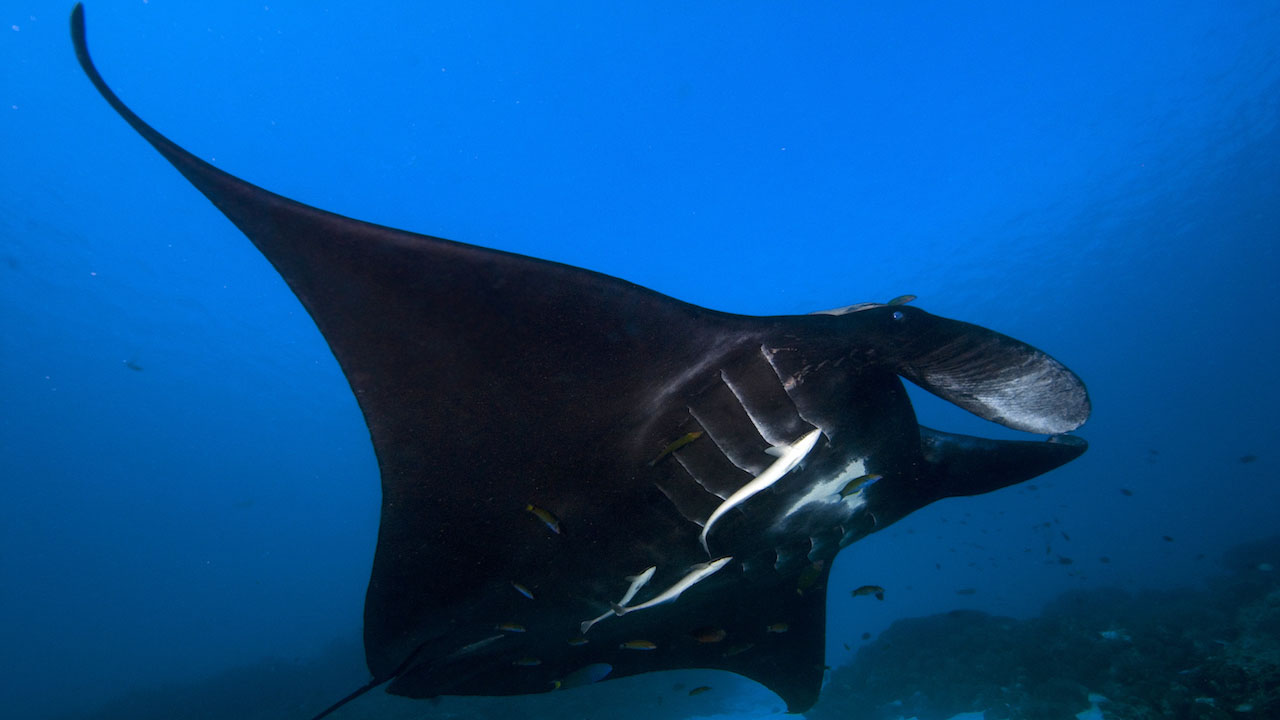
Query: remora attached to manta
{"points": [[509, 397]]}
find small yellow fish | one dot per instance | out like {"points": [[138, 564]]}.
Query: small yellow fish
{"points": [[527, 662], [638, 645], [809, 576], [510, 627], [858, 483], [869, 590], [777, 628], [676, 444], [708, 635], [593, 673], [578, 641], [522, 590], [699, 690], [546, 517], [901, 300]]}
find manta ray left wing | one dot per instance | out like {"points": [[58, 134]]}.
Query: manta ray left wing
{"points": [[584, 478]]}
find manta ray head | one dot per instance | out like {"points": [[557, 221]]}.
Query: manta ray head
{"points": [[811, 442]]}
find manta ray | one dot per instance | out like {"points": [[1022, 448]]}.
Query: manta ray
{"points": [[584, 479]]}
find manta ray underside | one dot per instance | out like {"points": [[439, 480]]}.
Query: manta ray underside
{"points": [[583, 478]]}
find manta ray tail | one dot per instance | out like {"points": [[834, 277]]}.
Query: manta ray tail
{"points": [[375, 682], [352, 696]]}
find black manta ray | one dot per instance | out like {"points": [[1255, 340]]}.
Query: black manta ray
{"points": [[583, 478]]}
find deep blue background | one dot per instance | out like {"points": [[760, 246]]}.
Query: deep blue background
{"points": [[1103, 182]]}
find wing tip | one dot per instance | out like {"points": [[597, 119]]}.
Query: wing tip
{"points": [[79, 40], [77, 34]]}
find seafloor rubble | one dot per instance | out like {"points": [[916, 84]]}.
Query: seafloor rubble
{"points": [[1182, 654]]}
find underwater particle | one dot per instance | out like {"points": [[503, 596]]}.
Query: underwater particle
{"points": [[868, 590], [1246, 459], [1126, 492], [866, 636], [967, 591], [1266, 567], [708, 635], [699, 690], [132, 364], [1064, 560], [1166, 538], [675, 445], [779, 627], [1104, 559], [527, 662], [637, 645], [551, 521], [522, 590]]}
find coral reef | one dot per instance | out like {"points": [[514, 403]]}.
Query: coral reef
{"points": [[1183, 655]]}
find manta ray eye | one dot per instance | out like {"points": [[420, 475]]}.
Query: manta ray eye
{"points": [[897, 315]]}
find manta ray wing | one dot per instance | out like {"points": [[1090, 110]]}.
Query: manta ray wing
{"points": [[491, 383]]}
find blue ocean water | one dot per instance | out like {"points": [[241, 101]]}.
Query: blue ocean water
{"points": [[1100, 181]]}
